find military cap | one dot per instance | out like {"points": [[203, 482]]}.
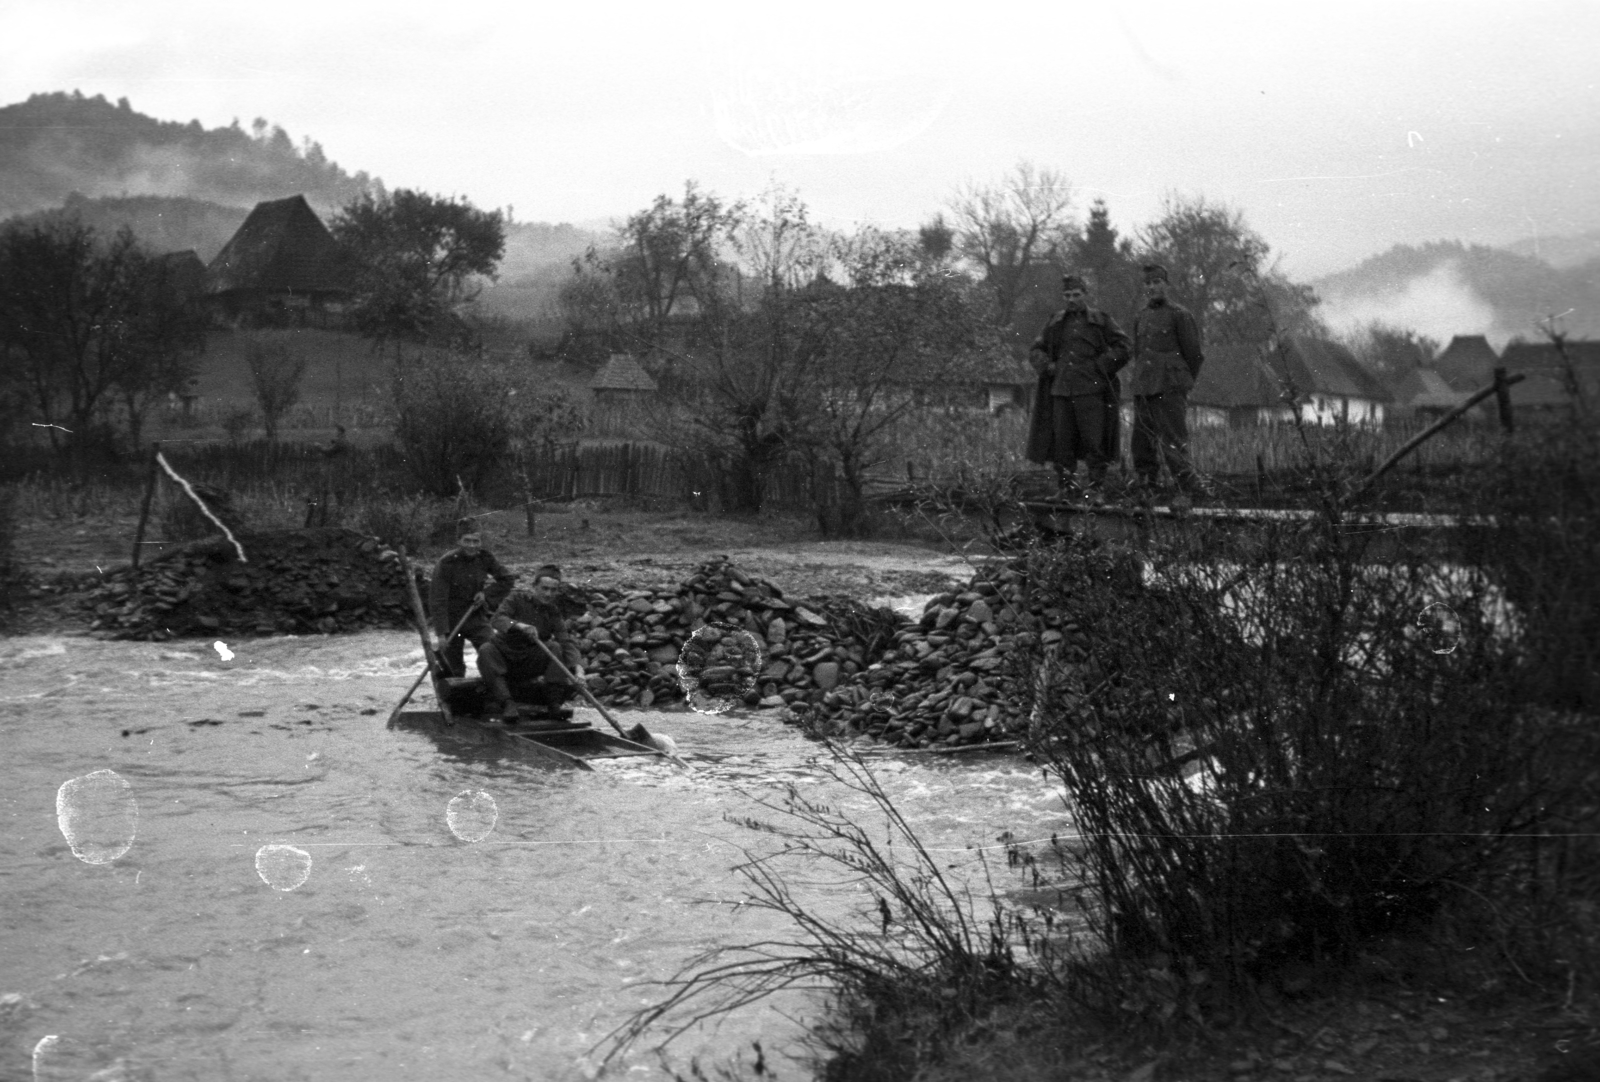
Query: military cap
{"points": [[1155, 272], [1072, 281]]}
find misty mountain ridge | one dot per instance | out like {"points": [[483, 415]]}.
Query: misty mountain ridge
{"points": [[180, 186], [55, 144], [1446, 288], [1561, 252]]}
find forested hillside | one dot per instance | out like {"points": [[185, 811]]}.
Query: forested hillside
{"points": [[55, 144], [1517, 290]]}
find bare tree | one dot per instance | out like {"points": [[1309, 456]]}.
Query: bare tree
{"points": [[277, 366], [1008, 229]]}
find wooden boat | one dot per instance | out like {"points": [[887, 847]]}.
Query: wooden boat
{"points": [[567, 743], [542, 733]]}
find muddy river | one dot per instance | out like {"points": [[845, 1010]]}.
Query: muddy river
{"points": [[219, 864]]}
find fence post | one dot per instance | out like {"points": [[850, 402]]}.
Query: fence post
{"points": [[1502, 397], [144, 508]]}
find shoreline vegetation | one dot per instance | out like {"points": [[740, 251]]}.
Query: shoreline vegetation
{"points": [[1321, 829]]}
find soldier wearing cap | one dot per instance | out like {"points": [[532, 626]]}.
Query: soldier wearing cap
{"points": [[1075, 413], [1166, 362], [458, 582], [514, 658]]}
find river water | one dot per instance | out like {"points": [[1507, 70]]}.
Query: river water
{"points": [[271, 885]]}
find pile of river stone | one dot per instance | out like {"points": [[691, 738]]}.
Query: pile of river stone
{"points": [[727, 634], [292, 581], [950, 678]]}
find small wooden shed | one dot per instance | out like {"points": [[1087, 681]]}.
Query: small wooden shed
{"points": [[621, 381]]}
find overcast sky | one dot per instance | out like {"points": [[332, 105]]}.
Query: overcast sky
{"points": [[1338, 128]]}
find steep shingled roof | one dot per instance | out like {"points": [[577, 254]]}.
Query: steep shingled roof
{"points": [[282, 247], [1546, 382], [622, 373], [1467, 363]]}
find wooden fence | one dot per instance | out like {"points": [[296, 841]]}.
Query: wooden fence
{"points": [[578, 471]]}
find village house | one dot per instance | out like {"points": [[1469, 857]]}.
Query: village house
{"points": [[1467, 363], [621, 381], [1318, 380], [1546, 390], [282, 268]]}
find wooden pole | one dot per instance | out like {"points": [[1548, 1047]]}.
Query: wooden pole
{"points": [[1498, 388], [1502, 397], [144, 508]]}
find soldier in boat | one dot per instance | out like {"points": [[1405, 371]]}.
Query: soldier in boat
{"points": [[514, 663], [458, 582]]}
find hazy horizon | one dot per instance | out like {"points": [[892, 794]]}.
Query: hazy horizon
{"points": [[1338, 130]]}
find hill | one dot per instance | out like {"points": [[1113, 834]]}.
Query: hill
{"points": [[162, 223], [53, 145], [1561, 252], [1446, 288]]}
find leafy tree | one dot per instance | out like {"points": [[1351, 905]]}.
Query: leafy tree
{"points": [[743, 378], [164, 335], [1008, 229], [84, 322], [671, 253], [893, 328], [1390, 352], [277, 366], [1218, 269], [421, 256], [454, 420]]}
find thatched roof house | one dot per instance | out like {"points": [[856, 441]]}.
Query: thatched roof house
{"points": [[621, 380], [1249, 386], [1423, 391], [282, 266]]}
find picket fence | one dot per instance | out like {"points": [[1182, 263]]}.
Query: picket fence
{"points": [[581, 471]]}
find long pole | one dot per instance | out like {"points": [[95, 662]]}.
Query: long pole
{"points": [[587, 694], [1498, 387], [426, 669], [144, 508]]}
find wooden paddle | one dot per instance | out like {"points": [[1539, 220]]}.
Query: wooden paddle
{"points": [[430, 646], [426, 669], [587, 694]]}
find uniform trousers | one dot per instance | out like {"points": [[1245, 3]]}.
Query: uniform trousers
{"points": [[1161, 435], [1079, 423], [528, 676]]}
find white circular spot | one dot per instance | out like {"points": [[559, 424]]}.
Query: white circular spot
{"points": [[1440, 628], [471, 815], [718, 667], [283, 867], [97, 815]]}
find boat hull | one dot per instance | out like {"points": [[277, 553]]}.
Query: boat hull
{"points": [[566, 744]]}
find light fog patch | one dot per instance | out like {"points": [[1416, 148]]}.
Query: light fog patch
{"points": [[98, 816], [283, 867], [471, 815]]}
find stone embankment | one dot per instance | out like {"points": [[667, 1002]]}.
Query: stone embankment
{"points": [[292, 581], [721, 639], [953, 677]]}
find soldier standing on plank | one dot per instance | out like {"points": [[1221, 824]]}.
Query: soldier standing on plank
{"points": [[1076, 410], [1166, 362], [458, 581]]}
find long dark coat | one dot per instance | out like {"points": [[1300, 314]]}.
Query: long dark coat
{"points": [[1047, 348]]}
